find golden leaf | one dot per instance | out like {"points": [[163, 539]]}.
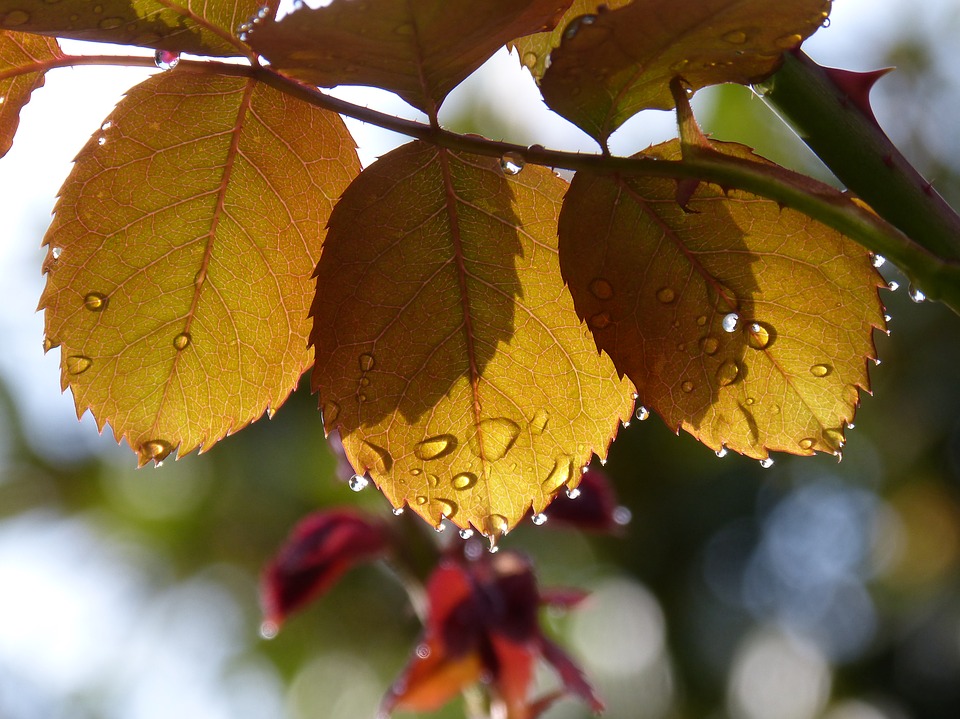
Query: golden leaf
{"points": [[23, 61]]}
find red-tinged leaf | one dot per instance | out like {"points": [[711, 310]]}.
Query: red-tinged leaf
{"points": [[179, 259], [595, 508], [570, 674], [420, 49], [449, 354], [202, 27], [746, 324], [562, 597], [23, 60], [612, 65], [319, 550]]}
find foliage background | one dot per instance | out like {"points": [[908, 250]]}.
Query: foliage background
{"points": [[807, 590]]}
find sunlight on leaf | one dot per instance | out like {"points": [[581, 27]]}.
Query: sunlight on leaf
{"points": [[449, 354], [420, 49], [743, 323], [179, 260], [534, 50], [615, 64], [203, 27], [22, 59]]}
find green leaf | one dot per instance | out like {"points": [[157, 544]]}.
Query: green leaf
{"points": [[23, 60], [420, 49], [179, 260], [743, 323], [612, 65], [449, 355], [202, 27]]}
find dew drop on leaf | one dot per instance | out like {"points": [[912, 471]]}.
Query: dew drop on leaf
{"points": [[807, 443], [786, 42], [666, 295], [511, 163], [727, 373], [49, 344], [916, 294], [110, 23], [358, 483], [330, 411], [166, 60], [155, 449], [758, 336], [464, 480], [687, 386], [539, 519], [447, 508], [496, 437], [366, 362], [735, 37], [375, 457], [877, 260], [601, 288], [722, 452], [495, 525], [893, 285], [600, 321], [730, 322], [561, 473], [56, 252], [539, 421], [433, 480], [767, 462], [78, 364], [95, 302], [397, 511], [701, 320], [435, 447], [182, 341], [820, 370], [573, 493], [574, 27], [15, 18], [642, 413], [709, 345], [466, 533], [529, 60]]}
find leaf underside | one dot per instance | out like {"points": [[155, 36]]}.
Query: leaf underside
{"points": [[449, 354], [179, 260], [743, 323], [420, 49], [202, 27], [620, 62], [20, 56]]}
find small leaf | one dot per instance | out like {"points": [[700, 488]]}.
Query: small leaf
{"points": [[319, 550], [621, 62], [23, 60], [534, 50], [743, 323], [180, 256], [449, 354], [420, 49], [203, 27]]}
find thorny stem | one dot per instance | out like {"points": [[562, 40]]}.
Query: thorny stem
{"points": [[938, 276]]}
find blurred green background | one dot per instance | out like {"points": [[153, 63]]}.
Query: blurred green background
{"points": [[810, 590]]}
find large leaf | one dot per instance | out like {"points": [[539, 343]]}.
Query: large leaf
{"points": [[612, 65], [23, 60], [534, 50], [449, 354], [180, 256], [746, 324], [420, 49], [203, 27]]}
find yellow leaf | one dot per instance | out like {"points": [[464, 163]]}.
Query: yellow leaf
{"points": [[420, 49], [743, 323], [612, 65], [179, 260], [203, 27], [449, 355], [23, 60]]}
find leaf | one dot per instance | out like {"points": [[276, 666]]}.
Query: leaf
{"points": [[319, 550], [180, 256], [420, 49], [595, 508], [618, 63], [534, 50], [449, 354], [743, 323], [202, 27], [23, 60]]}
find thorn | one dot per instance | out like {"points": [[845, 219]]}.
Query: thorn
{"points": [[691, 136], [856, 87], [685, 190]]}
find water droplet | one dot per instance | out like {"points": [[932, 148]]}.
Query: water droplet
{"points": [[709, 345], [423, 651], [679, 65], [496, 436], [49, 344], [574, 27], [166, 60], [851, 425], [807, 443], [539, 421], [78, 364], [666, 295], [893, 285], [786, 42], [466, 533], [110, 23], [101, 141], [877, 260], [573, 493], [447, 508], [464, 480], [766, 463], [561, 473], [511, 163], [182, 341], [642, 413], [758, 336], [106, 125], [600, 321], [95, 302], [358, 483], [433, 480], [375, 457], [701, 320], [435, 447], [722, 452], [916, 294], [834, 437], [55, 252], [330, 411], [421, 500], [727, 373], [156, 449], [730, 322], [15, 18], [529, 60], [601, 288], [269, 630], [495, 524], [687, 386], [736, 37], [416, 471], [397, 511], [820, 370], [366, 362], [622, 516], [539, 519]]}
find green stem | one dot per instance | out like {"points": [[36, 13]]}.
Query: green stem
{"points": [[841, 130]]}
